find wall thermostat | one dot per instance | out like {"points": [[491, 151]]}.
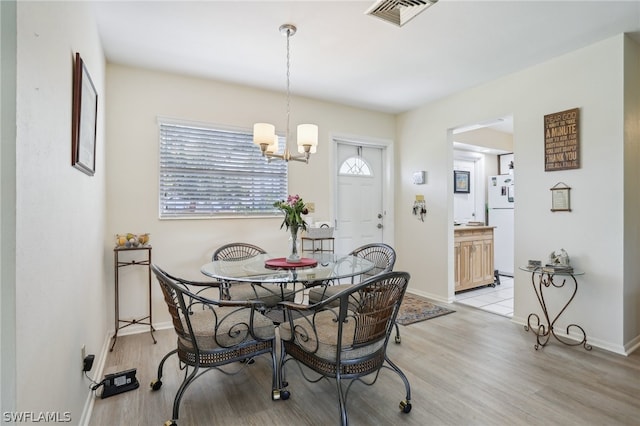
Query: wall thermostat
{"points": [[420, 177]]}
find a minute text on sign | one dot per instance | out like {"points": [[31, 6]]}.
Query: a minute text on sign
{"points": [[561, 140]]}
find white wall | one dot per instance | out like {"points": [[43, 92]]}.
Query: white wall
{"points": [[591, 79], [631, 192], [136, 98], [489, 138], [61, 281], [7, 206]]}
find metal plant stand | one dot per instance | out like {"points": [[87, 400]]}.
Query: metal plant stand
{"points": [[545, 330], [117, 265]]}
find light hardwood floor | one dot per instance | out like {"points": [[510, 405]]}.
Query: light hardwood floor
{"points": [[467, 368]]}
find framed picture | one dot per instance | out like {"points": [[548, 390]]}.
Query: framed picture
{"points": [[461, 182], [562, 140], [560, 198], [83, 120]]}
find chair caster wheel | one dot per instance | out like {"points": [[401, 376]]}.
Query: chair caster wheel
{"points": [[398, 340], [285, 384], [156, 384], [278, 394], [405, 406], [170, 423]]}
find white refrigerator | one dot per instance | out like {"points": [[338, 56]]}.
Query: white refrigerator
{"points": [[500, 205]]}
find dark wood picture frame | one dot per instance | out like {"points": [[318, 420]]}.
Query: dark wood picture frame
{"points": [[562, 140], [561, 197], [461, 182], [84, 119]]}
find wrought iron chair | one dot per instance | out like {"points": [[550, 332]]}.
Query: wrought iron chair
{"points": [[345, 343], [269, 294], [384, 258], [213, 334]]}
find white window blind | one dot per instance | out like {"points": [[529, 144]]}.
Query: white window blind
{"points": [[207, 172]]}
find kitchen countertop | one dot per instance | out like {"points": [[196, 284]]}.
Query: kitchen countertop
{"points": [[471, 227]]}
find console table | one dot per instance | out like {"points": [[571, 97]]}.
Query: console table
{"points": [[544, 331], [117, 264]]}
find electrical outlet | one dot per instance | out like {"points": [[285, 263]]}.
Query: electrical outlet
{"points": [[88, 363]]}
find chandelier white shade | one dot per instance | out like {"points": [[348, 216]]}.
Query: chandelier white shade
{"points": [[307, 137], [264, 134]]}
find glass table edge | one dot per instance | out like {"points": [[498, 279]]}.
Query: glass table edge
{"points": [[279, 276], [540, 270]]}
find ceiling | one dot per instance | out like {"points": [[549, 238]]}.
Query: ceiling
{"points": [[340, 54]]}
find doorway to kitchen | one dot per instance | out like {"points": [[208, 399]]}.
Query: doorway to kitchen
{"points": [[468, 207], [484, 153]]}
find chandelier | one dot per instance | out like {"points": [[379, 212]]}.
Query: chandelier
{"points": [[264, 134]]}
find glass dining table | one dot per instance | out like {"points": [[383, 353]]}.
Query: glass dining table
{"points": [[315, 268]]}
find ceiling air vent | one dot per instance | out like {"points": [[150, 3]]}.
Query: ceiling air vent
{"points": [[398, 12]]}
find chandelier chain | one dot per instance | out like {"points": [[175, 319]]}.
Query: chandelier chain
{"points": [[288, 87]]}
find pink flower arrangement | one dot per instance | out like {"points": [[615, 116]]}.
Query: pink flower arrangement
{"points": [[293, 209]]}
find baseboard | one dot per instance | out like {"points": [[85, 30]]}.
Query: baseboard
{"points": [[428, 296], [632, 345], [97, 377], [98, 370]]}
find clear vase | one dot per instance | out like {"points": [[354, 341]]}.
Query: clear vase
{"points": [[293, 257]]}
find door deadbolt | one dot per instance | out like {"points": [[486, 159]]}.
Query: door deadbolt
{"points": [[379, 215], [379, 226]]}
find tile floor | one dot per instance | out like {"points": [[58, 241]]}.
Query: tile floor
{"points": [[497, 300]]}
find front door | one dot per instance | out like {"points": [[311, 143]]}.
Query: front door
{"points": [[360, 218]]}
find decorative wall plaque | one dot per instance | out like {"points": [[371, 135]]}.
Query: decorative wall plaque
{"points": [[560, 197], [561, 140]]}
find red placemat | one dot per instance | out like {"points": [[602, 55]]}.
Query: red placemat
{"points": [[281, 263]]}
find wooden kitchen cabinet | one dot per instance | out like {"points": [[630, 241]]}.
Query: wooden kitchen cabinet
{"points": [[473, 253]]}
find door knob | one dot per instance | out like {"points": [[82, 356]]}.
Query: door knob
{"points": [[379, 226]]}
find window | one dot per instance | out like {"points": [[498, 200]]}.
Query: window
{"points": [[208, 172], [355, 166]]}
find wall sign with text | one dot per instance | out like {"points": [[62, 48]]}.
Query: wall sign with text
{"points": [[562, 140], [560, 197]]}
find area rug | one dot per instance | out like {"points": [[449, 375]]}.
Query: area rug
{"points": [[415, 309]]}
